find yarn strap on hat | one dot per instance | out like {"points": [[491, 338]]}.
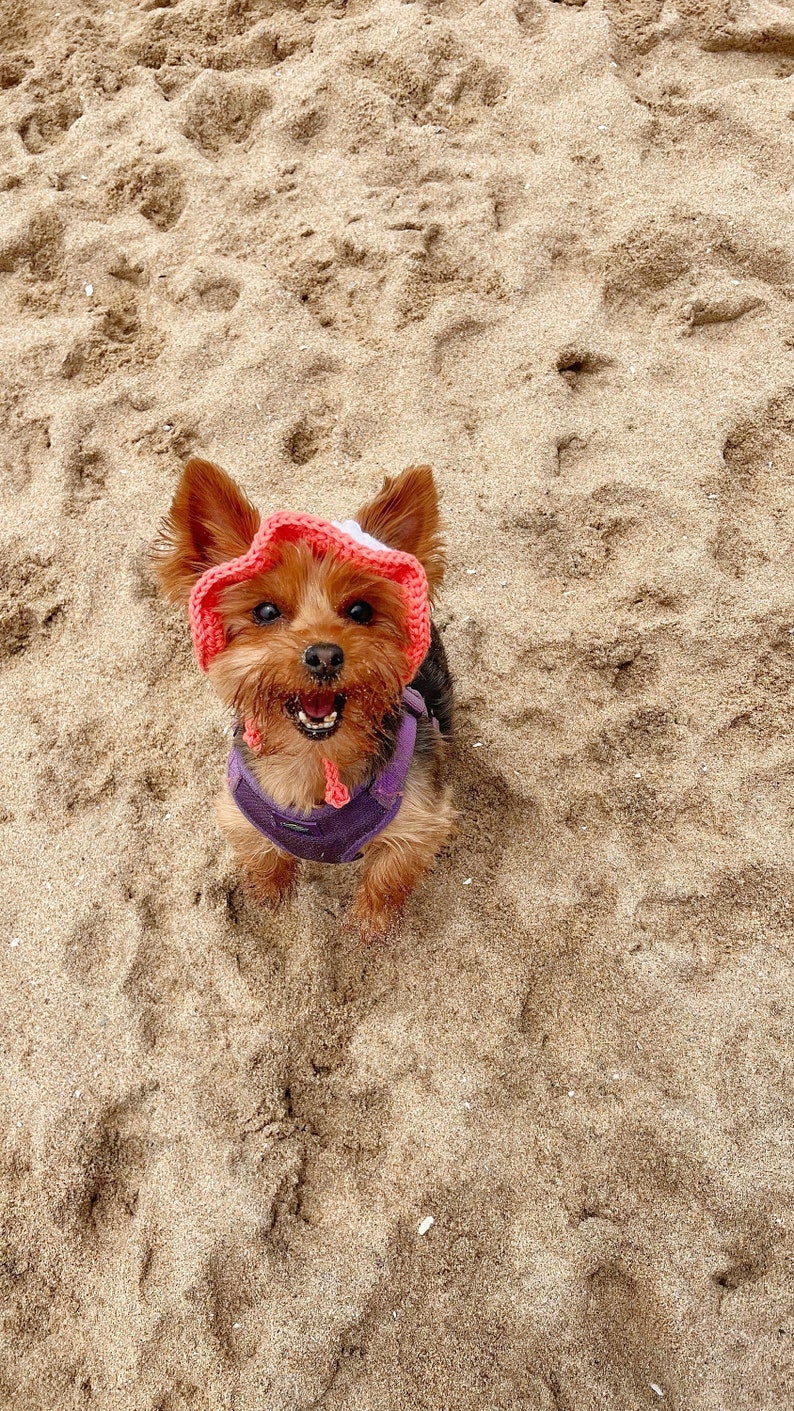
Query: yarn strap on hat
{"points": [[252, 736], [336, 793]]}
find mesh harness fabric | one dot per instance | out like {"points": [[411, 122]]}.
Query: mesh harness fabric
{"points": [[330, 834]]}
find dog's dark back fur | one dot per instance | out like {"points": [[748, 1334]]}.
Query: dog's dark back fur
{"points": [[434, 681]]}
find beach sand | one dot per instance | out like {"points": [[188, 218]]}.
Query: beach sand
{"points": [[549, 249]]}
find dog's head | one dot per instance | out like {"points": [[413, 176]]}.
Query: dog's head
{"points": [[316, 647]]}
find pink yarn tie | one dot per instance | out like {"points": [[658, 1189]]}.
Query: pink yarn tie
{"points": [[336, 794], [252, 736]]}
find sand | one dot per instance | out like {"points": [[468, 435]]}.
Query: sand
{"points": [[548, 248]]}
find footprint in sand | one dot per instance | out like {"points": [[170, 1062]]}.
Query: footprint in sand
{"points": [[220, 111], [156, 981], [27, 446], [85, 473], [119, 338], [49, 122], [156, 189], [577, 367], [307, 438], [34, 245], [755, 499], [581, 536], [569, 448], [632, 1345], [757, 26], [100, 1159], [218, 295], [90, 946], [30, 604], [77, 766], [432, 77], [719, 305], [206, 287]]}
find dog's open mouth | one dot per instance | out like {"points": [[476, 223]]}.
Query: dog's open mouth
{"points": [[316, 714]]}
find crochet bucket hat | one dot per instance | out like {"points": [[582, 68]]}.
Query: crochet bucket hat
{"points": [[348, 542]]}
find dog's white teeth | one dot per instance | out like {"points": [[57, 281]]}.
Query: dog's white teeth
{"points": [[317, 724]]}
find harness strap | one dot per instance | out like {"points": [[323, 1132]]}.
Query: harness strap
{"points": [[331, 833]]}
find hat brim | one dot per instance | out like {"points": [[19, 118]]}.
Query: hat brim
{"points": [[323, 537]]}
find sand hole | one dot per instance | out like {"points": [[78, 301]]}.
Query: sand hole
{"points": [[156, 189], [573, 364], [304, 441], [49, 123], [220, 296]]}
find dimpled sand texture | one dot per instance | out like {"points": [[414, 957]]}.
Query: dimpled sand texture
{"points": [[537, 1155]]}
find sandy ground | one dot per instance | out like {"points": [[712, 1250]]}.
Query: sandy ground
{"points": [[549, 249]]}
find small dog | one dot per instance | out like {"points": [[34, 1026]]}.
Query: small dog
{"points": [[318, 636]]}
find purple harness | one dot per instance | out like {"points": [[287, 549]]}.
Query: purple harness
{"points": [[329, 834]]}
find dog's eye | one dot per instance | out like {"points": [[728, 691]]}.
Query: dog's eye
{"points": [[359, 612], [265, 612]]}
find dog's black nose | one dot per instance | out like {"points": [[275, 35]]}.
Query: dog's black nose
{"points": [[324, 658]]}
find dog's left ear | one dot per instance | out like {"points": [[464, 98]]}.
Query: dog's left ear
{"points": [[210, 521], [405, 516]]}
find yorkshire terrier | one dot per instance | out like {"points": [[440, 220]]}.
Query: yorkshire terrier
{"points": [[318, 637]]}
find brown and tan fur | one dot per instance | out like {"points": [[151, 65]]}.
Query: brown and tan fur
{"points": [[261, 670]]}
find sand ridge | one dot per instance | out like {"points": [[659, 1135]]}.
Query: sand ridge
{"points": [[548, 248]]}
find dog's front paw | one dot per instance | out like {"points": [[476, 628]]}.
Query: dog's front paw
{"points": [[375, 925], [271, 885], [265, 896]]}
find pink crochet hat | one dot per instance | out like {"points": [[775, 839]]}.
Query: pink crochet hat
{"points": [[347, 541]]}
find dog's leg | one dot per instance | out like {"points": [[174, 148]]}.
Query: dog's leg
{"points": [[269, 874], [398, 857]]}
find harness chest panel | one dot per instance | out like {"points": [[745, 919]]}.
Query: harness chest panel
{"points": [[329, 834]]}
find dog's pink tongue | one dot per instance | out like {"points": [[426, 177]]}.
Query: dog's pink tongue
{"points": [[318, 705]]}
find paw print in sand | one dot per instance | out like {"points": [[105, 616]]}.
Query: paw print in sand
{"points": [[220, 110], [156, 189], [49, 122], [30, 608]]}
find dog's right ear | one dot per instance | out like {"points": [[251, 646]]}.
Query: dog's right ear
{"points": [[404, 515], [210, 521]]}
